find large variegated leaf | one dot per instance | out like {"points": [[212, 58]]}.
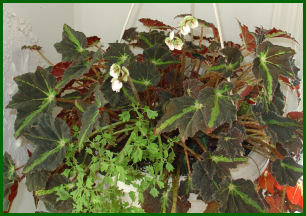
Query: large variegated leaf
{"points": [[240, 196], [74, 71], [271, 62], [9, 177], [280, 129], [231, 142], [118, 53], [144, 75], [227, 64], [150, 39], [159, 56], [207, 176], [192, 87], [37, 180], [50, 138], [35, 95], [212, 108], [89, 118], [287, 171], [73, 45]]}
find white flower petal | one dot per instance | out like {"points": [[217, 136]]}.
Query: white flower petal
{"points": [[114, 71], [195, 24], [171, 35], [179, 46], [185, 30], [116, 85]]}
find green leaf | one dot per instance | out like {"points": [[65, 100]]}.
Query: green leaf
{"points": [[137, 155], [35, 95], [51, 201], [118, 53], [278, 102], [132, 196], [122, 98], [231, 61], [271, 62], [240, 196], [37, 180], [287, 171], [124, 116], [73, 45], [159, 56], [50, 138], [9, 177], [212, 108], [150, 113], [207, 176], [154, 192], [74, 71], [89, 118], [231, 142], [150, 39], [144, 75], [169, 167]]}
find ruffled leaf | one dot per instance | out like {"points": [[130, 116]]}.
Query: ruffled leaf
{"points": [[50, 138], [73, 45], [35, 95], [130, 34], [154, 24], [247, 38], [286, 171]]}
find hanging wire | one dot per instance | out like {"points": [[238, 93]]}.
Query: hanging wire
{"points": [[126, 21]]}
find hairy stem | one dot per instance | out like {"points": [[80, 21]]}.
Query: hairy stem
{"points": [[44, 57], [175, 183], [134, 90], [183, 64]]}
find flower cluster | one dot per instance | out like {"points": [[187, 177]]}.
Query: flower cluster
{"points": [[119, 74], [174, 42], [188, 23]]}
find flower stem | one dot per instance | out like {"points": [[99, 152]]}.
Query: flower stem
{"points": [[44, 57], [183, 64], [134, 90]]}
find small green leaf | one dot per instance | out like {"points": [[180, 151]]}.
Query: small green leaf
{"points": [[137, 155], [287, 171], [125, 116], [169, 167], [73, 45], [132, 196], [150, 113], [154, 192]]}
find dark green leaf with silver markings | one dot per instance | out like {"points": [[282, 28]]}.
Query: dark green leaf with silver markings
{"points": [[50, 138], [35, 95], [207, 176], [9, 177], [239, 196], [212, 108], [73, 45], [118, 53], [231, 142], [227, 64], [144, 75], [287, 171], [37, 180], [271, 62], [192, 87], [159, 56], [117, 99], [150, 39]]}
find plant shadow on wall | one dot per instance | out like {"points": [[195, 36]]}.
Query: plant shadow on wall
{"points": [[163, 104]]}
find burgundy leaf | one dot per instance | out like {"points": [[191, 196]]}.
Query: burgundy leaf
{"points": [[272, 33], [154, 24], [92, 40], [247, 38], [275, 203], [29, 153], [58, 70]]}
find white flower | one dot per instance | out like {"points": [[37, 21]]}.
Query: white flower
{"points": [[115, 70], [179, 46], [125, 73], [171, 35], [116, 85], [185, 29], [194, 23], [169, 43]]}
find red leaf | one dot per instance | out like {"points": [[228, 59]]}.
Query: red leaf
{"points": [[13, 192], [266, 181], [154, 24], [140, 58], [58, 70], [295, 195], [247, 38], [298, 116], [29, 153], [213, 28], [272, 33], [292, 87], [278, 186], [275, 203], [92, 40], [244, 93]]}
